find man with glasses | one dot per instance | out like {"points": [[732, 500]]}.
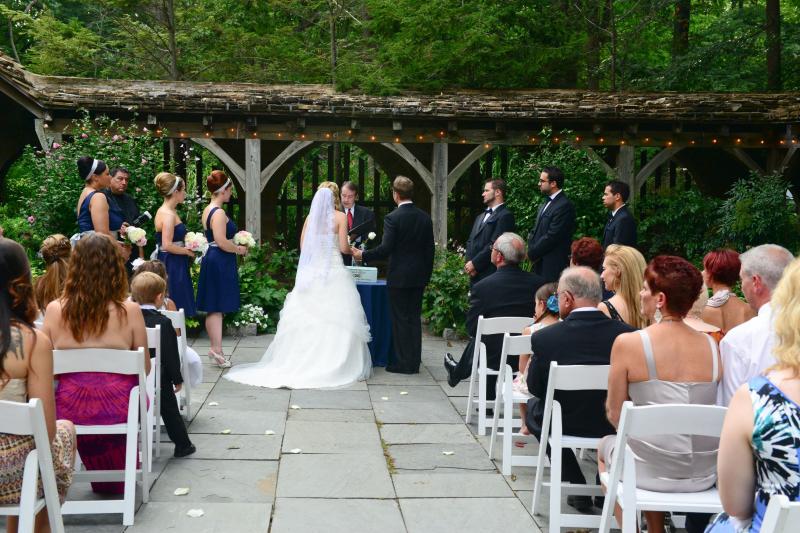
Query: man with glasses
{"points": [[550, 240], [122, 202]]}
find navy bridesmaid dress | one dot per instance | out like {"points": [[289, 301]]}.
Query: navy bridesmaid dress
{"points": [[218, 286], [85, 216], [179, 280]]}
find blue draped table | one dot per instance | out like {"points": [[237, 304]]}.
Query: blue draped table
{"points": [[375, 300]]}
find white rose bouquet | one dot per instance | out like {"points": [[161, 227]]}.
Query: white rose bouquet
{"points": [[370, 236], [244, 238], [196, 242], [136, 235]]}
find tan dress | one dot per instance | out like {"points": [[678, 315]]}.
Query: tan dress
{"points": [[14, 450]]}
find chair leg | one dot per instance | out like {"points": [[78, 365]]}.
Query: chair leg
{"points": [[481, 403], [129, 495], [29, 493], [555, 486], [470, 397], [508, 431]]}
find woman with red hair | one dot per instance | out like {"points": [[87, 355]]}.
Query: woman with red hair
{"points": [[720, 273]]}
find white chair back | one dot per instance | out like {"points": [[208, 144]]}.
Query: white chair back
{"points": [[154, 392], [782, 516], [178, 319], [28, 419]]}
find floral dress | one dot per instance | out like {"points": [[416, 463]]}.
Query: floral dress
{"points": [[775, 442]]}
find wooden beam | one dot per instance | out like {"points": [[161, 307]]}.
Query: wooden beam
{"points": [[659, 159], [787, 159], [227, 160], [440, 191], [625, 169], [745, 159], [278, 162], [252, 210], [411, 159], [464, 164], [594, 155]]}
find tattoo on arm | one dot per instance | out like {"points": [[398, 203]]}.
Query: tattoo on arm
{"points": [[16, 346]]}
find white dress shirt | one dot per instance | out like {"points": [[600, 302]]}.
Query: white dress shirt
{"points": [[490, 213], [552, 197], [746, 352]]}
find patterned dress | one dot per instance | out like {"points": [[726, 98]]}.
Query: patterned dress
{"points": [[775, 442]]}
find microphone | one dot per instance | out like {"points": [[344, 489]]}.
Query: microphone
{"points": [[144, 217]]}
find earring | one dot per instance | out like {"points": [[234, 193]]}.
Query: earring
{"points": [[657, 315]]}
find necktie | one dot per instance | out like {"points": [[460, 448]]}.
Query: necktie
{"points": [[349, 219], [488, 212]]}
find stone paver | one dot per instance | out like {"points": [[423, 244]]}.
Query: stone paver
{"points": [[363, 475], [301, 515], [466, 515]]}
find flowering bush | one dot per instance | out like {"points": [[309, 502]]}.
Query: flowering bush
{"points": [[250, 314]]}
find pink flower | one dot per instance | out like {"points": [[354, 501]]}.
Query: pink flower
{"points": [[84, 136], [144, 161], [138, 189], [56, 146], [31, 220], [116, 138]]}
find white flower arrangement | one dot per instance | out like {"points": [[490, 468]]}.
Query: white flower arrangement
{"points": [[196, 242], [244, 238], [251, 314], [136, 235]]}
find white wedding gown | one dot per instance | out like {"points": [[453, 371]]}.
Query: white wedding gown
{"points": [[322, 334]]}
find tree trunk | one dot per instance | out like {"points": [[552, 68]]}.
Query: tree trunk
{"points": [[594, 29], [680, 28], [773, 29], [334, 51], [613, 27], [169, 8]]}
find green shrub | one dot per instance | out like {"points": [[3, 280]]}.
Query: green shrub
{"points": [[445, 301], [258, 286]]}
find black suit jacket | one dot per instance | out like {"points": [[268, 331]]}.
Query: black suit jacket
{"points": [[361, 215], [583, 338], [408, 243], [170, 358], [551, 238], [510, 291], [483, 235], [620, 229]]}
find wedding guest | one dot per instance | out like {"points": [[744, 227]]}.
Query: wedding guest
{"points": [[193, 362], [623, 273], [495, 220], [358, 217], [149, 291], [667, 362], [621, 226], [549, 242], [93, 209], [55, 252], [545, 314], [586, 252], [218, 286], [721, 272], [122, 203], [92, 313], [510, 291], [758, 449], [26, 371], [584, 337], [694, 319], [747, 348], [170, 232]]}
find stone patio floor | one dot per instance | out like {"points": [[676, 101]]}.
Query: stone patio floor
{"points": [[370, 459]]}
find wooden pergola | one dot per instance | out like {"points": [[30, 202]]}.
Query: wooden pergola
{"points": [[260, 131]]}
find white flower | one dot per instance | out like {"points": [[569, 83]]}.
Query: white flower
{"points": [[244, 238], [137, 263], [196, 242], [136, 235], [371, 235]]}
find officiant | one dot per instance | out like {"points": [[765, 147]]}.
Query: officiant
{"points": [[360, 220]]}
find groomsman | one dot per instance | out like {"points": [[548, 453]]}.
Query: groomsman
{"points": [[495, 220], [356, 216], [621, 226], [408, 243], [550, 240]]}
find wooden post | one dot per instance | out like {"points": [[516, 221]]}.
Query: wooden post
{"points": [[252, 178], [625, 170], [439, 200]]}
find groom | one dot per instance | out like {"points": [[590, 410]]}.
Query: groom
{"points": [[408, 243]]}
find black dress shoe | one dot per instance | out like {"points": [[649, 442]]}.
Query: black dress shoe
{"points": [[448, 360], [183, 452], [582, 504], [452, 379]]}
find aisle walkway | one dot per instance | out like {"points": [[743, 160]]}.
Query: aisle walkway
{"points": [[367, 458]]}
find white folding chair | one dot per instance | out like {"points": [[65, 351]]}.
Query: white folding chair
{"points": [[782, 515], [178, 319], [126, 362], [488, 326], [649, 420], [565, 378], [154, 392], [509, 399], [28, 419]]}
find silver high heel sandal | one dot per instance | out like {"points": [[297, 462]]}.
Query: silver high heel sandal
{"points": [[218, 359]]}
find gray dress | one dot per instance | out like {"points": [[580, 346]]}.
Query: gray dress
{"points": [[672, 463]]}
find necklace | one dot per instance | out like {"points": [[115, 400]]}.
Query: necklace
{"points": [[671, 319]]}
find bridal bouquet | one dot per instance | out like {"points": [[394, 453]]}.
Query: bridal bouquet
{"points": [[196, 242], [370, 236], [136, 235], [244, 238]]}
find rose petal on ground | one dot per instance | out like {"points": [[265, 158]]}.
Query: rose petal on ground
{"points": [[195, 513], [295, 406], [403, 392], [269, 432], [384, 397], [448, 453], [212, 404], [225, 431], [181, 491], [295, 450]]}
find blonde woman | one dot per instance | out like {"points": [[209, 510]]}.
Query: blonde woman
{"points": [[758, 449], [623, 273]]}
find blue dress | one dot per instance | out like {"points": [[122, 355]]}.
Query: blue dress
{"points": [[775, 442], [85, 216], [179, 280], [218, 286]]}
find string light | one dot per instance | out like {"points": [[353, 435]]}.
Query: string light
{"points": [[691, 142], [463, 141], [397, 139], [371, 137], [714, 141], [327, 135], [622, 142], [349, 132], [738, 141], [419, 137], [783, 142], [555, 139], [647, 139], [602, 140], [762, 141], [441, 134], [487, 146], [669, 143], [577, 139], [280, 135], [232, 130]]}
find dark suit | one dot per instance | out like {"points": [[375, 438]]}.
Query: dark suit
{"points": [[483, 235], [361, 215], [170, 375], [510, 291], [408, 243], [583, 338], [551, 238], [620, 228]]}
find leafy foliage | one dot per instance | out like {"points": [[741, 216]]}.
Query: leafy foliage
{"points": [[445, 301], [258, 284]]}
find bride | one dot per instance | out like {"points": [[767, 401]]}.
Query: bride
{"points": [[322, 333]]}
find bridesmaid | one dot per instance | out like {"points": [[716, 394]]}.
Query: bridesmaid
{"points": [[218, 286], [93, 211], [170, 232]]}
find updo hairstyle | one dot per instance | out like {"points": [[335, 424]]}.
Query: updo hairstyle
{"points": [[165, 182], [216, 180], [85, 164], [678, 279]]}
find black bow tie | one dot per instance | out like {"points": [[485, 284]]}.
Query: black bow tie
{"points": [[487, 210]]}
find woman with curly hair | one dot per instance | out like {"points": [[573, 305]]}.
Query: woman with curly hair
{"points": [[26, 371], [93, 313], [55, 252]]}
